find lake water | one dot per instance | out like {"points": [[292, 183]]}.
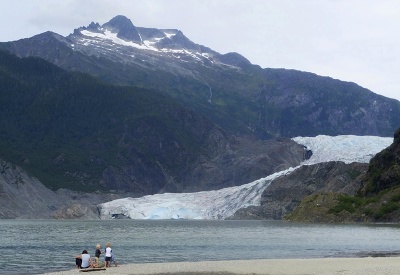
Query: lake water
{"points": [[37, 246]]}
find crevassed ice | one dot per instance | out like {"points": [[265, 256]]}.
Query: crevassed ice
{"points": [[346, 148], [216, 204], [222, 203]]}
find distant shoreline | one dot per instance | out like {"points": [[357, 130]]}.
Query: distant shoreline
{"points": [[343, 266]]}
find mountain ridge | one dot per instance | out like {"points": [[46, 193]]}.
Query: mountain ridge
{"points": [[240, 97]]}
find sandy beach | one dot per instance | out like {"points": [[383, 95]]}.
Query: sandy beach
{"points": [[343, 266]]}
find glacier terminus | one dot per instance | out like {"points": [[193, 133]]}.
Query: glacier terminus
{"points": [[220, 204]]}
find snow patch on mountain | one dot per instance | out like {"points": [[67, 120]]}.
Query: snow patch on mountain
{"points": [[220, 204], [112, 36], [94, 38], [169, 35]]}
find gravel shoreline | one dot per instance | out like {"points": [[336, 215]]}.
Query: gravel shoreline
{"points": [[342, 266]]}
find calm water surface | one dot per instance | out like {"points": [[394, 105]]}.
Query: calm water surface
{"points": [[37, 246]]}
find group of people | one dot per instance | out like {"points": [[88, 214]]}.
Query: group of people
{"points": [[85, 261]]}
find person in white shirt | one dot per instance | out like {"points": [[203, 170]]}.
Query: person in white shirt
{"points": [[108, 254], [85, 260]]}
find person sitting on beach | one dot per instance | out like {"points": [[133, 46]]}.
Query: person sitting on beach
{"points": [[97, 254], [99, 264], [85, 260]]}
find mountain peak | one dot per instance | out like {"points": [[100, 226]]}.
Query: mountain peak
{"points": [[119, 21], [124, 28]]}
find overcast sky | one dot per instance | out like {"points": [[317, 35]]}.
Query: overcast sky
{"points": [[350, 40]]}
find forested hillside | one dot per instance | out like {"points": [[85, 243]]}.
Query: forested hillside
{"points": [[70, 130]]}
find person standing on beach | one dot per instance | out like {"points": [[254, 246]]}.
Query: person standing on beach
{"points": [[108, 254], [113, 259]]}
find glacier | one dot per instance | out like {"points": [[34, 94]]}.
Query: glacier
{"points": [[220, 204]]}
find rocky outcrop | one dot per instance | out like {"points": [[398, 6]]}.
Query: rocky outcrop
{"points": [[243, 161], [384, 169], [124, 29], [25, 197], [284, 194], [77, 211]]}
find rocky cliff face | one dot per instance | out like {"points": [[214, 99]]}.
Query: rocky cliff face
{"points": [[243, 161], [25, 197], [286, 193]]}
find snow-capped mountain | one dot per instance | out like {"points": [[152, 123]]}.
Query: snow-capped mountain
{"points": [[228, 89], [123, 42], [220, 204]]}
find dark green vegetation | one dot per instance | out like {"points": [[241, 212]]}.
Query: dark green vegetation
{"points": [[382, 183], [384, 169], [70, 130], [335, 207], [378, 199]]}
